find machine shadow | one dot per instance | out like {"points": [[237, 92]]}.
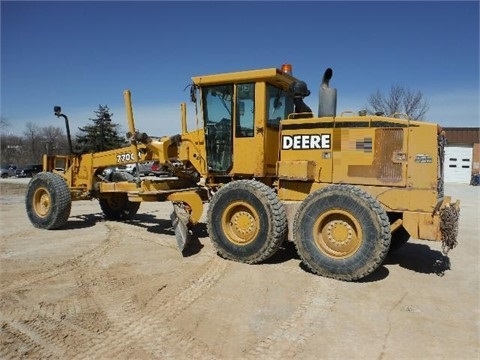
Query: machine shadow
{"points": [[147, 221], [420, 258], [164, 227], [285, 253], [415, 257], [82, 221]]}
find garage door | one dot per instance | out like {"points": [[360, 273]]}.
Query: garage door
{"points": [[458, 164]]}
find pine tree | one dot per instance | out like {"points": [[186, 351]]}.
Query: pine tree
{"points": [[102, 135]]}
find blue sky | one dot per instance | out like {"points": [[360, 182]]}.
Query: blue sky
{"points": [[82, 54]]}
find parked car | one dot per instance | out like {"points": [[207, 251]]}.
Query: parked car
{"points": [[30, 170], [158, 170], [8, 171], [143, 168]]}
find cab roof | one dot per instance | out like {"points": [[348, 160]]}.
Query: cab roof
{"points": [[272, 75]]}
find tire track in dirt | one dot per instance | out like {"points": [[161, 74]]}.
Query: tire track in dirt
{"points": [[36, 340], [150, 327], [289, 338], [42, 334], [12, 236], [71, 264], [115, 326], [16, 235], [40, 328], [75, 307], [26, 323], [10, 335]]}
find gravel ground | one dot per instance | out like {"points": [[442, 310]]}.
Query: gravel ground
{"points": [[109, 290]]}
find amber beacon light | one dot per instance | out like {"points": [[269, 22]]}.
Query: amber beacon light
{"points": [[287, 69]]}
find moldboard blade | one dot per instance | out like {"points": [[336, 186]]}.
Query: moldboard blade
{"points": [[179, 222]]}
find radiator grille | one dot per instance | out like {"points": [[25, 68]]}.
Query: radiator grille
{"points": [[387, 142]]}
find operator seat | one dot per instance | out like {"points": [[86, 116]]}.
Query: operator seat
{"points": [[299, 91]]}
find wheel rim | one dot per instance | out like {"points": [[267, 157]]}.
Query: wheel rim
{"points": [[240, 222], [337, 234], [42, 202]]}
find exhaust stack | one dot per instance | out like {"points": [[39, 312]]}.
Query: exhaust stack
{"points": [[327, 101]]}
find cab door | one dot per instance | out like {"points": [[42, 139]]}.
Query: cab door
{"points": [[259, 107], [218, 117], [248, 134]]}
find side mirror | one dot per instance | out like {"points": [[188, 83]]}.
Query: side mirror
{"points": [[57, 110]]}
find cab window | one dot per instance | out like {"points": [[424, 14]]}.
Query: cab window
{"points": [[245, 110], [279, 105]]}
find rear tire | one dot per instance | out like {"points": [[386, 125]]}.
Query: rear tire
{"points": [[48, 201], [342, 232], [246, 221], [117, 206]]}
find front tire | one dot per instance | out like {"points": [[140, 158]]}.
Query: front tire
{"points": [[342, 232], [246, 221], [48, 201]]}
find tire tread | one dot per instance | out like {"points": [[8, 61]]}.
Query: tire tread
{"points": [[59, 193], [278, 214], [383, 241]]}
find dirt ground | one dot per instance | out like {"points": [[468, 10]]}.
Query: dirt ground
{"points": [[109, 290]]}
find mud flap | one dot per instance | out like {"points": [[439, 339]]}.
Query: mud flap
{"points": [[180, 220]]}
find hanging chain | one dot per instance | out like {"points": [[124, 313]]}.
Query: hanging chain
{"points": [[449, 227]]}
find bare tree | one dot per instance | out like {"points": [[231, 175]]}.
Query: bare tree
{"points": [[400, 100], [29, 148], [33, 149], [54, 139], [10, 144], [4, 124], [11, 149]]}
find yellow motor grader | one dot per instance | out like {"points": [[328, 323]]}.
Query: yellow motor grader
{"points": [[346, 189]]}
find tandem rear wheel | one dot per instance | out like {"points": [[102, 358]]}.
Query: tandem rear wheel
{"points": [[246, 221], [342, 232]]}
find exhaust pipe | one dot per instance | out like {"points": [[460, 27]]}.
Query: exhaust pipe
{"points": [[327, 101]]}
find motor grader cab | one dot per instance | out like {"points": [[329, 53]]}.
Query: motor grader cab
{"points": [[346, 189], [242, 112]]}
